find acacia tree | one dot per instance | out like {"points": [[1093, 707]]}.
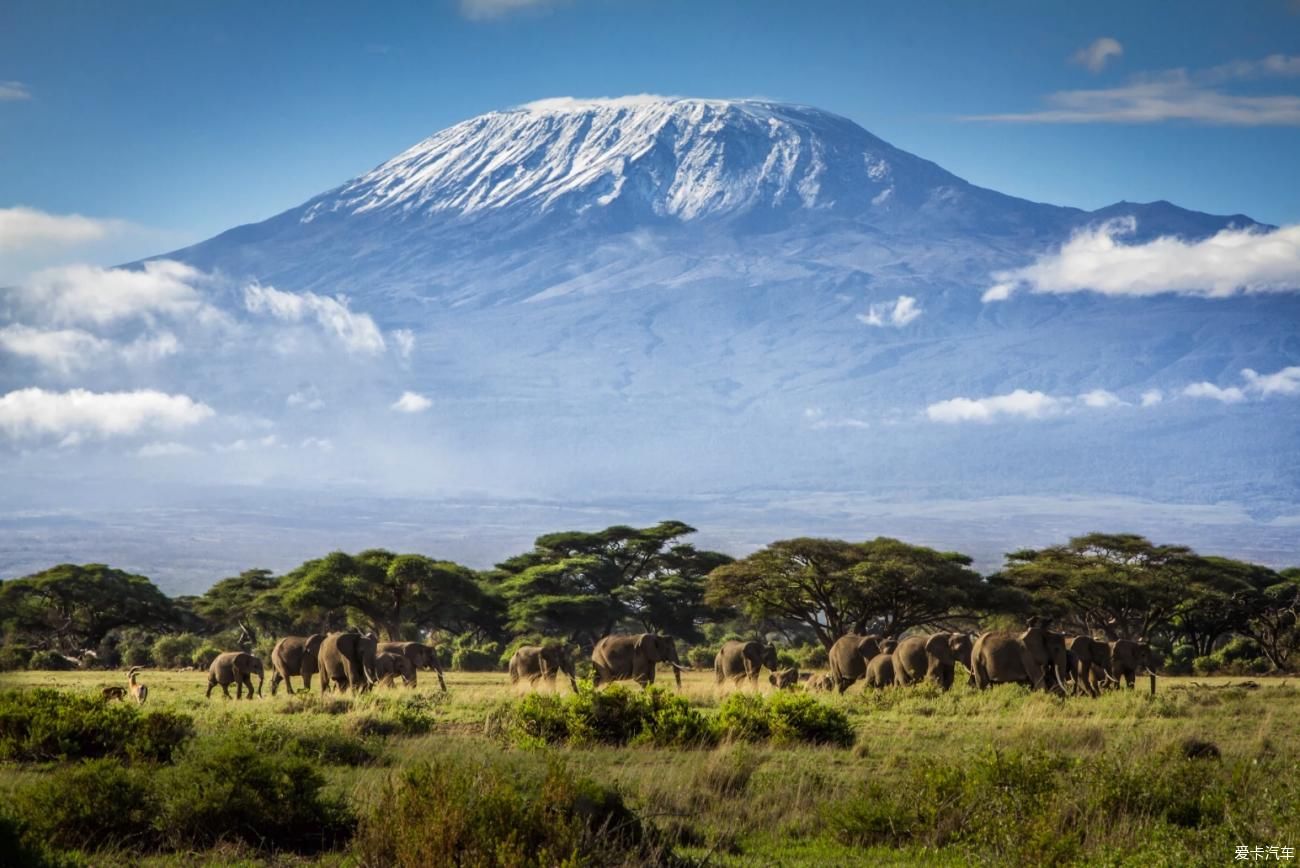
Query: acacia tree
{"points": [[72, 607], [584, 585], [1216, 599], [1271, 616], [1121, 585], [834, 587], [388, 590], [248, 601]]}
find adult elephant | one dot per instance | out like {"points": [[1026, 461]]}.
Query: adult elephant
{"points": [[920, 657], [1089, 663], [535, 662], [1127, 658], [1035, 657], [633, 658], [739, 660], [849, 657], [961, 644], [294, 655], [348, 661], [420, 655], [880, 671], [389, 665], [237, 668]]}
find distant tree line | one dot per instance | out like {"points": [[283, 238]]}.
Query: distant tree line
{"points": [[1204, 613]]}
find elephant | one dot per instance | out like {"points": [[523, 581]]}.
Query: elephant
{"points": [[535, 662], [920, 657], [961, 644], [390, 664], [1127, 657], [849, 657], [420, 655], [880, 671], [294, 655], [784, 679], [821, 682], [623, 658], [740, 660], [237, 668], [1089, 663], [887, 646], [1029, 658], [347, 660]]}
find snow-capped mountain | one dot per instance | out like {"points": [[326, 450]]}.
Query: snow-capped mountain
{"points": [[687, 297]]}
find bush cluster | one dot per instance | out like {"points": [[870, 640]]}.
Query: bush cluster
{"points": [[476, 813], [219, 789], [39, 725], [1239, 656], [784, 718], [612, 716]]}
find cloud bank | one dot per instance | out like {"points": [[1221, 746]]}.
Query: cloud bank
{"points": [[78, 413], [27, 227], [356, 331], [87, 293], [411, 402], [1093, 260], [1020, 403], [486, 10], [1174, 95], [14, 91]]}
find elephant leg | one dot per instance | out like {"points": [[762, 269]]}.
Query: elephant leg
{"points": [[225, 688], [211, 684], [248, 685], [275, 683], [239, 688]]}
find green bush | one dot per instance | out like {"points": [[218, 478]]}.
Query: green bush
{"points": [[21, 848], [137, 655], [486, 658], [465, 812], [226, 788], [615, 715], [205, 654], [38, 725], [173, 652], [98, 803], [810, 656], [322, 741], [50, 661], [743, 717], [701, 656], [797, 717], [14, 657], [1239, 656]]}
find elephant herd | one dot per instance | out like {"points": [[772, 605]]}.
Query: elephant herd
{"points": [[1040, 658], [1037, 657], [349, 661]]}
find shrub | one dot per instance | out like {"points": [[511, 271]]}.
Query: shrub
{"points": [[40, 725], [485, 658], [137, 655], [743, 716], [226, 788], [175, 651], [20, 847], [612, 716], [469, 813], [701, 656], [14, 657], [326, 744], [50, 661], [811, 656], [728, 770], [93, 804], [795, 717], [205, 654]]}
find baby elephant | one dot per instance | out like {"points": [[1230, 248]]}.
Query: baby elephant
{"points": [[784, 679], [111, 693], [238, 668]]}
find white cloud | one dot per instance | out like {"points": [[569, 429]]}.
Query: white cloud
{"points": [[1283, 382], [1151, 397], [247, 444], [405, 341], [308, 399], [78, 413], [356, 331], [1173, 95], [13, 91], [63, 350], [819, 421], [321, 443], [86, 293], [482, 10], [1021, 403], [1230, 262], [1096, 55], [67, 350], [410, 402], [1100, 399], [1230, 395], [27, 227], [896, 313], [165, 449]]}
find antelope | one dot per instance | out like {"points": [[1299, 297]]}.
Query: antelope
{"points": [[138, 691]]}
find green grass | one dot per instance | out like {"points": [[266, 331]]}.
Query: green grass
{"points": [[1097, 782]]}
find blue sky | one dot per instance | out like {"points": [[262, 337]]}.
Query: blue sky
{"points": [[185, 119]]}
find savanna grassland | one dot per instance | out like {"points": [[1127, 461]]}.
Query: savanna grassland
{"points": [[403, 776]]}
